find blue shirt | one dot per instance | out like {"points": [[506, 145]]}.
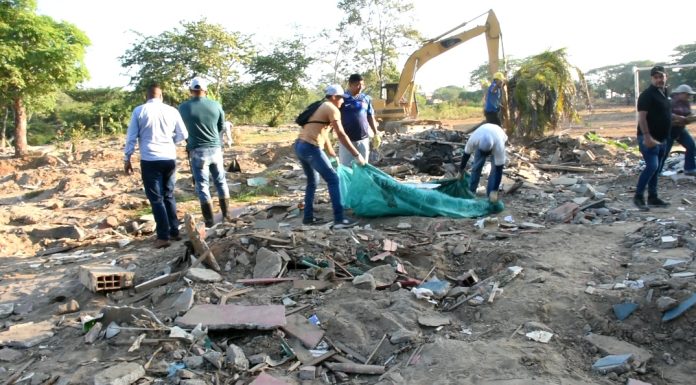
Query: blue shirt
{"points": [[354, 113], [492, 99], [157, 127]]}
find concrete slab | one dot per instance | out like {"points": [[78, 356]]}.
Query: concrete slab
{"points": [[267, 379], [268, 264], [27, 334], [122, 374], [10, 355], [200, 274], [611, 345], [433, 320], [300, 328], [228, 317]]}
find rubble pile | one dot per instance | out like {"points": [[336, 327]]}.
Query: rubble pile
{"points": [[570, 281]]}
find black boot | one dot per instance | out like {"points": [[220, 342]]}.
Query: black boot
{"points": [[207, 211], [224, 206]]}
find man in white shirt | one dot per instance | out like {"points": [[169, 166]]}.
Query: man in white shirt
{"points": [[157, 127], [488, 140], [227, 134]]}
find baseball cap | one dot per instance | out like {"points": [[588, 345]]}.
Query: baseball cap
{"points": [[684, 89], [199, 84], [657, 70], [334, 90]]}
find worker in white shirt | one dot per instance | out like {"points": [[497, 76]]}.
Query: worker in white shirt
{"points": [[488, 140]]}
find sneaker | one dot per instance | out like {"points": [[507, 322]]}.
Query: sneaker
{"points": [[639, 201], [312, 221], [345, 224], [657, 202], [493, 197]]}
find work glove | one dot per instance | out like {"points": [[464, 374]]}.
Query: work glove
{"points": [[376, 141], [360, 160]]}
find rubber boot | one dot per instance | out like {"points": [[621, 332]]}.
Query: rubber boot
{"points": [[207, 211], [224, 205]]}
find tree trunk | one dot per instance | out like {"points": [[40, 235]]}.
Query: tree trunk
{"points": [[20, 120], [3, 140]]}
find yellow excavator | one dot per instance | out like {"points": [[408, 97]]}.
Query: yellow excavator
{"points": [[400, 103]]}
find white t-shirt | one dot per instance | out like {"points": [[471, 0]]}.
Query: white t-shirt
{"points": [[488, 137]]}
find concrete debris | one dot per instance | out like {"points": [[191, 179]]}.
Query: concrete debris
{"points": [[384, 275], [365, 282], [236, 358], [268, 264], [6, 309], [184, 301], [26, 335], [618, 364], [122, 374], [200, 274], [433, 320], [226, 317], [71, 307], [300, 328], [666, 303], [612, 345]]}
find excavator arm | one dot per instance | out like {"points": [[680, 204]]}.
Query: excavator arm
{"points": [[400, 98]]}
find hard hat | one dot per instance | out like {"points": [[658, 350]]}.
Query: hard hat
{"points": [[498, 76]]}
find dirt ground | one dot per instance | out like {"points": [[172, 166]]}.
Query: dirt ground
{"points": [[60, 210]]}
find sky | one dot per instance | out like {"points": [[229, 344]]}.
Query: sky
{"points": [[595, 33]]}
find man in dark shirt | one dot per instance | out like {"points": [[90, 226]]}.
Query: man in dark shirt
{"points": [[654, 124], [205, 120]]}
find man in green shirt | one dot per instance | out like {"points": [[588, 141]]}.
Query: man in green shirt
{"points": [[205, 120]]}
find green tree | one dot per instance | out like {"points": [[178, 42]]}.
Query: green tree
{"points": [[448, 94], [276, 85], [38, 56], [380, 29], [543, 93], [174, 57], [618, 78], [684, 54]]}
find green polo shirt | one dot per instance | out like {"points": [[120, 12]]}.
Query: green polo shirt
{"points": [[204, 120]]}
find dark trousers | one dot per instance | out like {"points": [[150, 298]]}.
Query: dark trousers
{"points": [[493, 117], [158, 179]]}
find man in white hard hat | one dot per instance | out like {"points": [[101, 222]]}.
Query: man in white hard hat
{"points": [[311, 143], [681, 114]]}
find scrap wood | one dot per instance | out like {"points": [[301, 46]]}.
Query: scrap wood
{"points": [[152, 357], [51, 380], [294, 366], [355, 368], [321, 358], [369, 358], [414, 354], [264, 281], [226, 296], [296, 310], [553, 167], [494, 291], [348, 350], [272, 239], [13, 378], [340, 266], [158, 281], [435, 141], [196, 235]]}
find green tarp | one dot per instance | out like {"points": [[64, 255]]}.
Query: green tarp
{"points": [[369, 192]]}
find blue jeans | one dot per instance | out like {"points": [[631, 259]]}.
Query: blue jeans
{"points": [[204, 162], [495, 176], [685, 139], [654, 159], [312, 159], [158, 179]]}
